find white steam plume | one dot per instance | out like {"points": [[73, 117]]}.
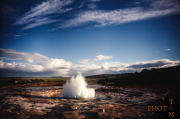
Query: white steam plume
{"points": [[77, 88]]}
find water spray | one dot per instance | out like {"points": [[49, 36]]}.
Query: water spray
{"points": [[77, 88]]}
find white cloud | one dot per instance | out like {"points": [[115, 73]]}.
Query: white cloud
{"points": [[21, 67], [35, 16], [86, 69], [106, 65], [22, 55], [6, 58], [84, 61], [58, 64], [43, 66], [35, 63], [117, 67], [122, 68], [101, 57], [120, 16]]}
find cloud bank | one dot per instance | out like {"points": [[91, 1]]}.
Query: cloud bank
{"points": [[40, 65], [36, 63], [117, 67]]}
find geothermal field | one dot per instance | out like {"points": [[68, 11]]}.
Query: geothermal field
{"points": [[76, 99], [124, 55]]}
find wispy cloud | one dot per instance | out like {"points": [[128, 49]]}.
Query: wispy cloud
{"points": [[45, 12], [17, 35], [166, 49], [35, 16], [92, 6], [39, 22], [120, 16], [94, 0]]}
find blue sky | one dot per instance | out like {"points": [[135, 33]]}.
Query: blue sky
{"points": [[43, 38]]}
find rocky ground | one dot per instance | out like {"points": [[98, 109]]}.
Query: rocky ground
{"points": [[41, 103]]}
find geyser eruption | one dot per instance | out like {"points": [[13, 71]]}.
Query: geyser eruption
{"points": [[77, 88]]}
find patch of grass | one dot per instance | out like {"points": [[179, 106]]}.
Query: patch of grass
{"points": [[20, 80]]}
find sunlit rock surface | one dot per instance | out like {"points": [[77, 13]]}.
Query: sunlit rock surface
{"points": [[48, 102]]}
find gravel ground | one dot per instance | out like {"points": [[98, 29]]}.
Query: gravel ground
{"points": [[110, 102]]}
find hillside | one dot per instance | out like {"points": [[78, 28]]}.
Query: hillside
{"points": [[109, 76], [153, 76]]}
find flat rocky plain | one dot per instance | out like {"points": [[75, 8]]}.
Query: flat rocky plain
{"points": [[39, 102]]}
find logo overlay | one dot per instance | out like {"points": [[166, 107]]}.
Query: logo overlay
{"points": [[169, 108]]}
